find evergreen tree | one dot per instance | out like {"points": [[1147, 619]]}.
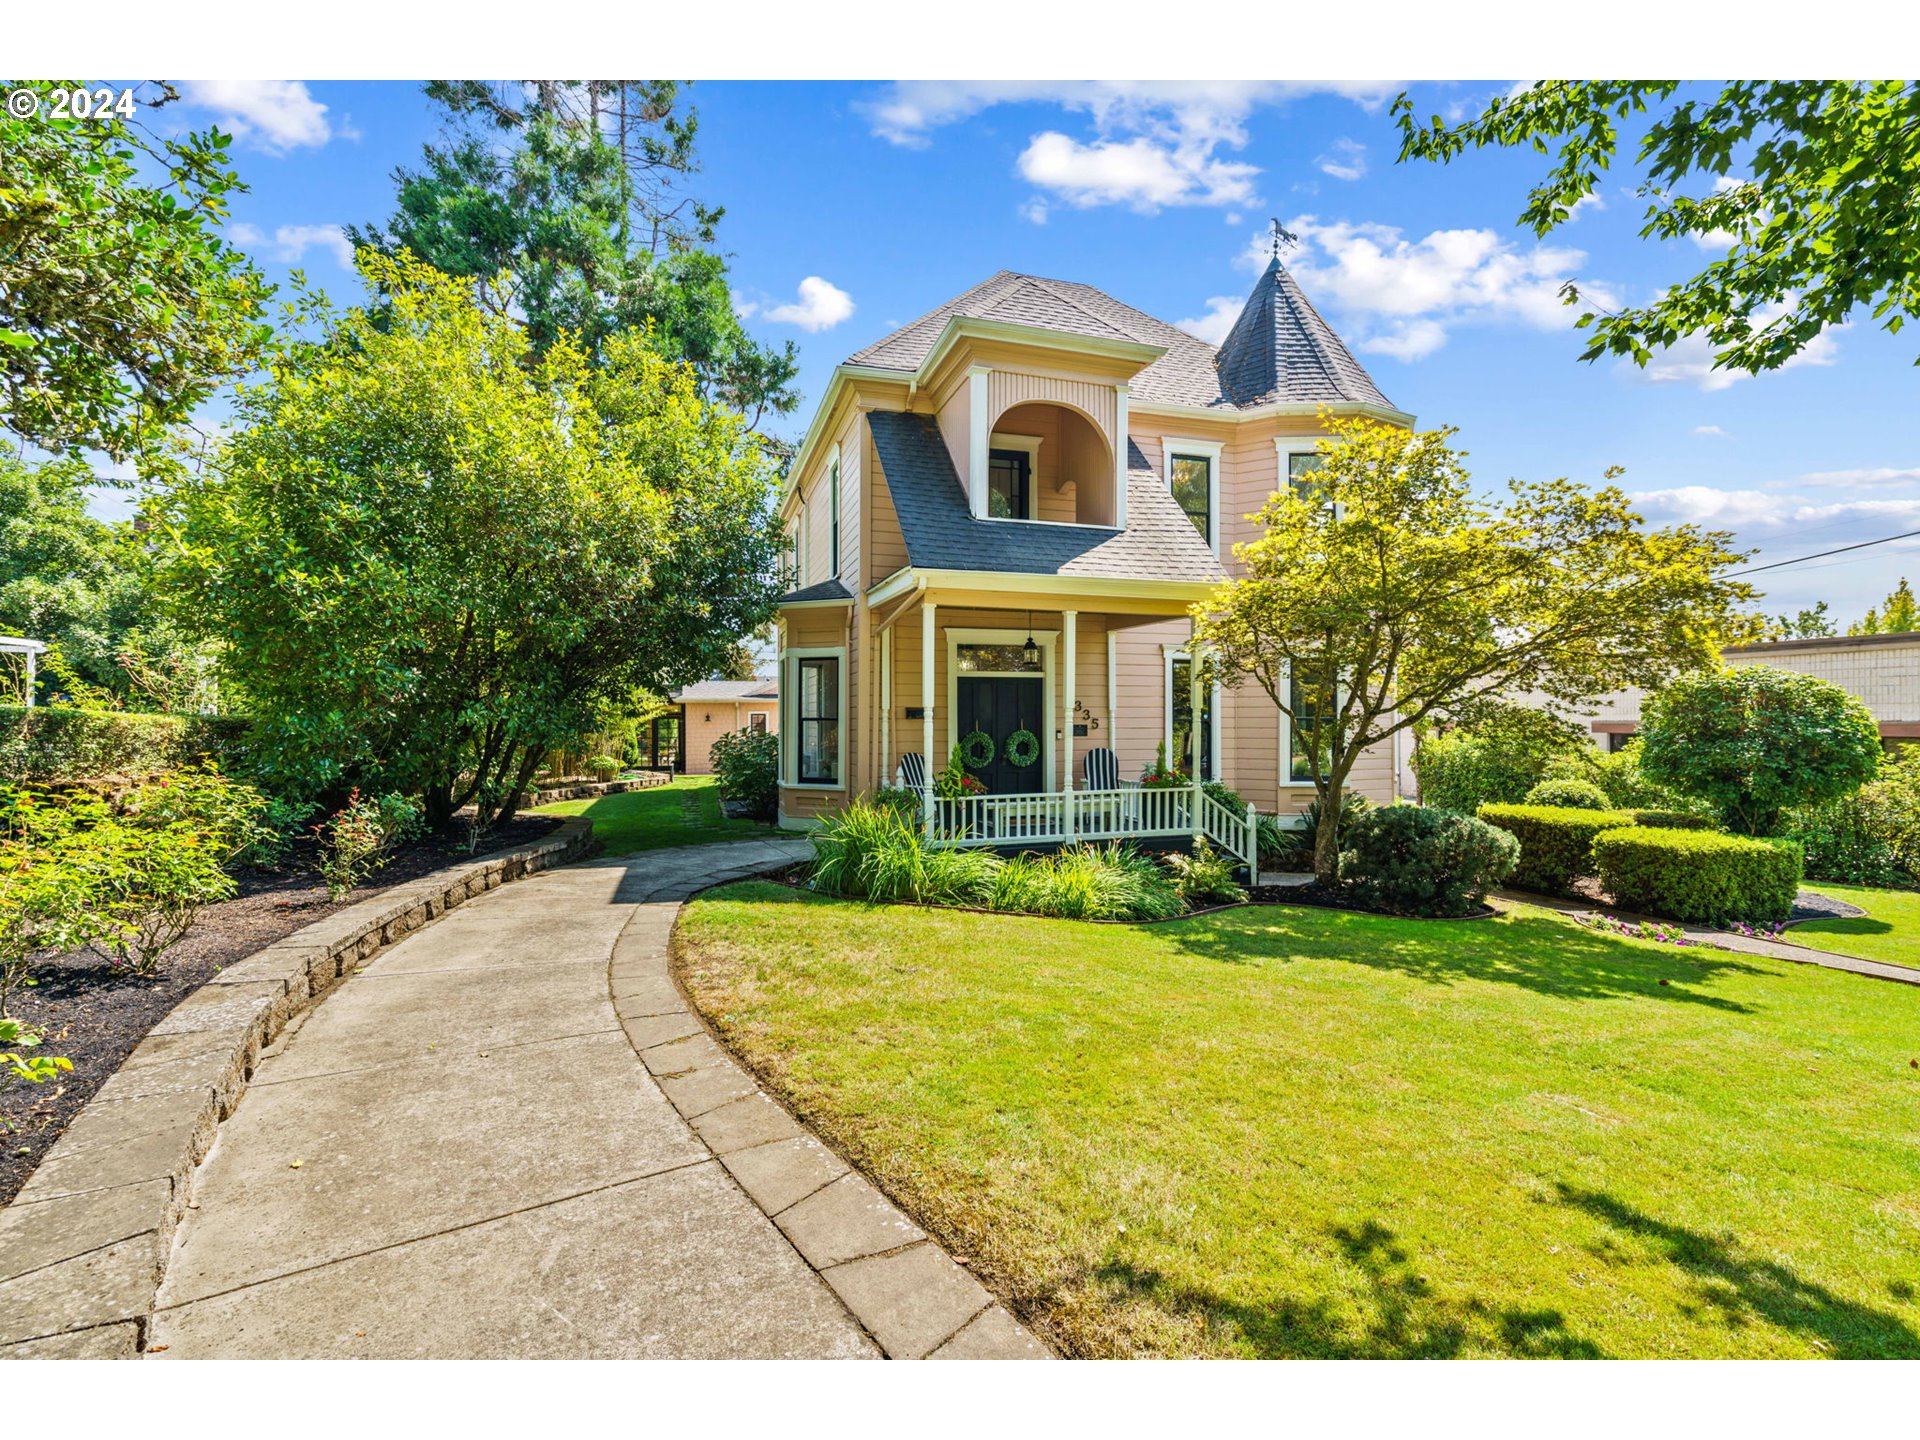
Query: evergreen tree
{"points": [[576, 190]]}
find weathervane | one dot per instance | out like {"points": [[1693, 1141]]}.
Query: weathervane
{"points": [[1282, 237]]}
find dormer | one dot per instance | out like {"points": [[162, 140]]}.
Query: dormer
{"points": [[1029, 387]]}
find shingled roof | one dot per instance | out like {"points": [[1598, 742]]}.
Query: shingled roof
{"points": [[1280, 348], [1159, 542]]}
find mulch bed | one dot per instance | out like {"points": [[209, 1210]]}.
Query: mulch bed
{"points": [[94, 1017]]}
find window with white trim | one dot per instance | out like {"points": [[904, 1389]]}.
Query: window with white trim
{"points": [[1192, 479], [1297, 731], [1179, 719], [817, 736]]}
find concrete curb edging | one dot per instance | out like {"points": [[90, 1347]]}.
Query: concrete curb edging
{"points": [[86, 1240], [897, 1282]]}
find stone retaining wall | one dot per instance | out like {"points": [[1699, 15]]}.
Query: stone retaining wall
{"points": [[83, 1245], [588, 789]]}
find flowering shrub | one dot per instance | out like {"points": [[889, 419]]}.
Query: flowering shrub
{"points": [[1759, 932], [1649, 930], [1161, 775], [359, 837]]}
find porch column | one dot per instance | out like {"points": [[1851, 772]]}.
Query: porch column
{"points": [[885, 777], [928, 614], [1194, 659], [1070, 623], [30, 679], [1120, 393]]}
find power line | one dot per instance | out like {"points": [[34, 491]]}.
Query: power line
{"points": [[1822, 554]]}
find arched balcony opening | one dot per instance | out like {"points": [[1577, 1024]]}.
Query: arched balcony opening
{"points": [[1051, 463]]}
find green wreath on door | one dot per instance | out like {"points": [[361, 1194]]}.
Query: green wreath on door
{"points": [[1023, 748], [977, 750]]}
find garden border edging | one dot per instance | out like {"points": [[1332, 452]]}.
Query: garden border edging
{"points": [[87, 1237]]}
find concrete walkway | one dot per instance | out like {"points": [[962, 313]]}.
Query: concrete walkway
{"points": [[1782, 949], [508, 1138]]}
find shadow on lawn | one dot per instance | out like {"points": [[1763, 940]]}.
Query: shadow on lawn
{"points": [[1399, 1317], [1549, 957], [1744, 1289]]}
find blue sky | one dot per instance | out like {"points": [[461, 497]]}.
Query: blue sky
{"points": [[852, 208]]}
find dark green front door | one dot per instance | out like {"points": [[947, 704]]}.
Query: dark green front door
{"points": [[1001, 705]]}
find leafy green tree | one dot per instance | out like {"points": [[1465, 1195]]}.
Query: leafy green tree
{"points": [[1809, 624], [76, 581], [121, 309], [1390, 597], [1754, 741], [432, 555], [1893, 616], [1809, 183], [576, 191]]}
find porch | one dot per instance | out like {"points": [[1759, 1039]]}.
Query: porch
{"points": [[1061, 702]]}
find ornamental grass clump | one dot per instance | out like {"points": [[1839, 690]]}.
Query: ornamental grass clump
{"points": [[876, 851], [1087, 882]]}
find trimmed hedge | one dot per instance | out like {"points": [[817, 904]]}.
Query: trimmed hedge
{"points": [[1568, 795], [49, 746], [1411, 860], [1672, 820], [1697, 875], [1556, 845]]}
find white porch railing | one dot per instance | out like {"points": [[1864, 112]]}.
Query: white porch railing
{"points": [[1129, 812]]}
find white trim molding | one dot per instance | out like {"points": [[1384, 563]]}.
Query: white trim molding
{"points": [[978, 434], [790, 686], [1210, 451], [1120, 446]]}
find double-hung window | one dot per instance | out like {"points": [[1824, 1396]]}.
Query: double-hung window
{"points": [[817, 737], [1180, 718]]}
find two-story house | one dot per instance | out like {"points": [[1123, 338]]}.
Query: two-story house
{"points": [[998, 519]]}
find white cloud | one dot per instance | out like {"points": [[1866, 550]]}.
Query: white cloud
{"points": [[908, 111], [1591, 201], [821, 306], [1034, 211], [1402, 297], [1720, 241], [289, 243], [1879, 475], [272, 115], [1769, 513], [1689, 361], [1139, 173], [742, 306], [1152, 144], [1344, 160], [1713, 430], [1212, 327]]}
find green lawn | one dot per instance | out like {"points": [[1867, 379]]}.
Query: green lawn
{"points": [[1285, 1132], [686, 812], [1890, 930]]}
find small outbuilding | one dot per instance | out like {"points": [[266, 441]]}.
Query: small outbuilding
{"points": [[714, 708]]}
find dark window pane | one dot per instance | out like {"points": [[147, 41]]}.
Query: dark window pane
{"points": [[992, 659], [1192, 475], [1009, 485], [1300, 733], [818, 736], [1300, 468]]}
